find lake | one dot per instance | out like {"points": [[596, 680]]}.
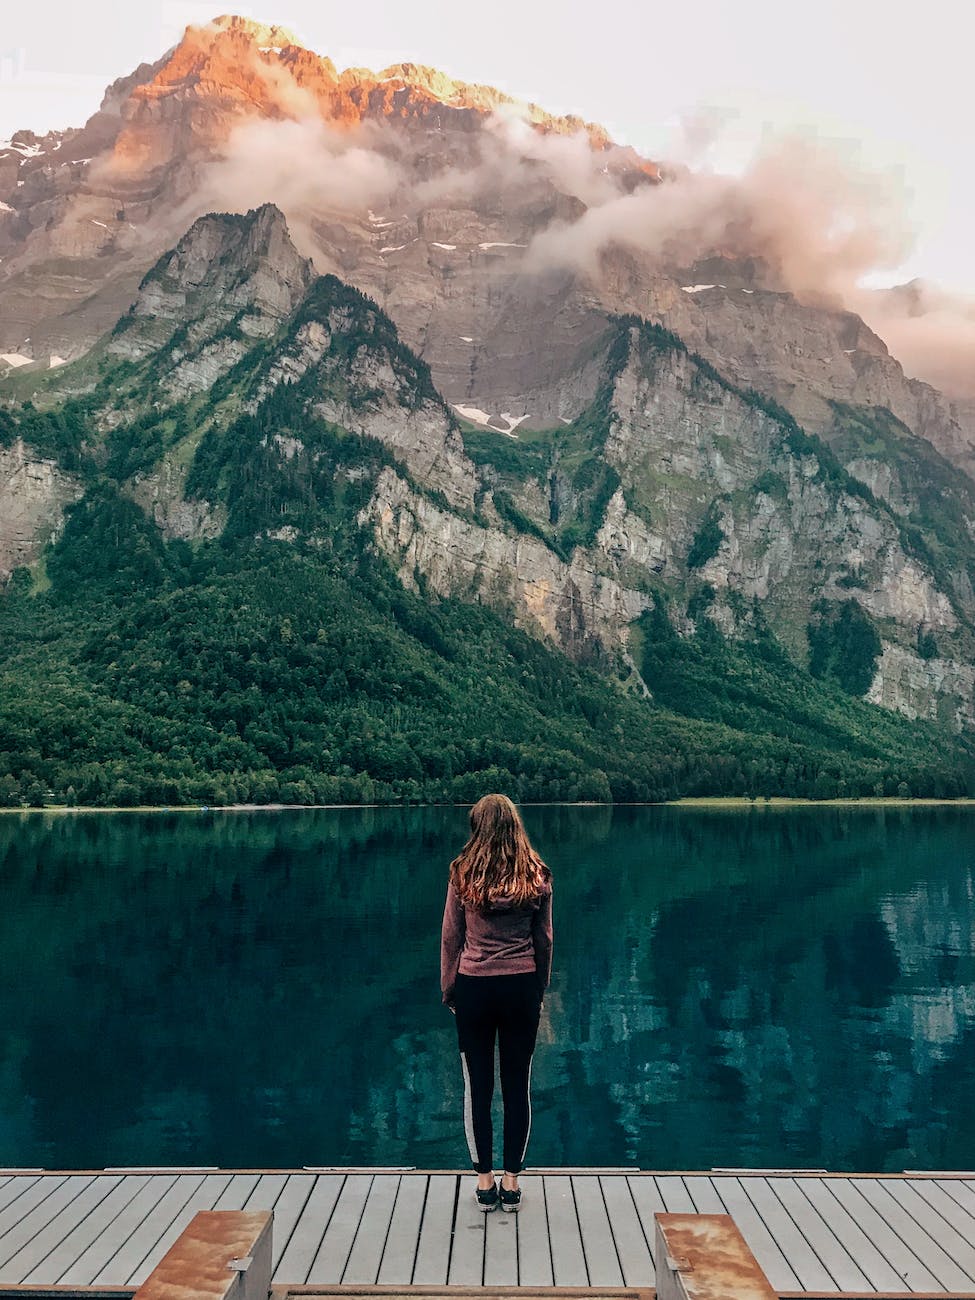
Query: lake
{"points": [[785, 986]]}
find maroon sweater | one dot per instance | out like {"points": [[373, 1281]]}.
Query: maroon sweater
{"points": [[499, 941]]}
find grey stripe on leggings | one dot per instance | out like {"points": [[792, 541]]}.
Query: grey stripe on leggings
{"points": [[468, 1111]]}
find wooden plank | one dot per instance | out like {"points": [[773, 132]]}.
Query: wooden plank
{"points": [[599, 1247], [296, 1261], [534, 1249], [467, 1249], [266, 1191], [433, 1247], [702, 1192], [944, 1268], [43, 1241], [880, 1273], [134, 1249], [501, 1246], [79, 1239], [676, 1197], [757, 1236], [31, 1198], [915, 1276], [17, 1185], [40, 1208], [202, 1198], [945, 1206], [648, 1202], [122, 1226], [803, 1260], [961, 1252], [568, 1256], [631, 1244], [370, 1239], [287, 1211], [399, 1252], [844, 1271], [959, 1191], [267, 1194], [235, 1194], [329, 1263]]}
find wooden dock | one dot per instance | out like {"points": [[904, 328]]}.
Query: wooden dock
{"points": [[819, 1234]]}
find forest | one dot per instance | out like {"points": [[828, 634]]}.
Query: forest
{"points": [[136, 671]]}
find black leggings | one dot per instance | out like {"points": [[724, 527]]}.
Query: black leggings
{"points": [[505, 1007]]}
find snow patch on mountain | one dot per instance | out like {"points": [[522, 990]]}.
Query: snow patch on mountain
{"points": [[512, 421], [472, 413]]}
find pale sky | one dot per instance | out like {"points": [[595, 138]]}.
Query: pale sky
{"points": [[890, 78]]}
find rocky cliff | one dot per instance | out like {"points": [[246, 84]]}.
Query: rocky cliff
{"points": [[33, 494], [716, 502]]}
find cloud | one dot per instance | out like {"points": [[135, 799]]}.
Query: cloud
{"points": [[817, 222], [931, 332], [306, 167], [812, 216], [803, 208], [569, 161]]}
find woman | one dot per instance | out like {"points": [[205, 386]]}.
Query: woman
{"points": [[495, 964]]}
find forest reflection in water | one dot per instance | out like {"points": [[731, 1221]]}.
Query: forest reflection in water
{"points": [[761, 987]]}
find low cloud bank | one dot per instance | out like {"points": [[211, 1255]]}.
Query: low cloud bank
{"points": [[817, 222], [803, 207]]}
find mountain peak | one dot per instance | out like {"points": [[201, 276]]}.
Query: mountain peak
{"points": [[262, 34], [231, 277], [237, 65]]}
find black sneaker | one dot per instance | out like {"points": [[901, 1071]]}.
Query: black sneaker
{"points": [[510, 1201], [486, 1197]]}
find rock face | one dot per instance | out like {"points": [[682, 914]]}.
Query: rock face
{"points": [[33, 495], [688, 448], [162, 495], [575, 606], [940, 690], [366, 394], [790, 537], [236, 293], [229, 282], [802, 355]]}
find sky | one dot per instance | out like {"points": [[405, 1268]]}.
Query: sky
{"points": [[889, 80]]}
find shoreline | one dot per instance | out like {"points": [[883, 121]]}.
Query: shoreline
{"points": [[719, 802]]}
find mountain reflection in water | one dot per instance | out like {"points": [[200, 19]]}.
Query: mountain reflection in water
{"points": [[783, 986]]}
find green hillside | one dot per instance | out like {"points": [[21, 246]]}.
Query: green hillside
{"points": [[141, 671], [279, 657]]}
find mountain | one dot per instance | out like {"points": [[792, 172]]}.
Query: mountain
{"points": [[319, 490], [87, 211], [275, 565], [429, 195]]}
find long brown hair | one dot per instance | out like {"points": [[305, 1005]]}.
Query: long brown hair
{"points": [[498, 863]]}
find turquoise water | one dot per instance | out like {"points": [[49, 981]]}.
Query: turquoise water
{"points": [[758, 987]]}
